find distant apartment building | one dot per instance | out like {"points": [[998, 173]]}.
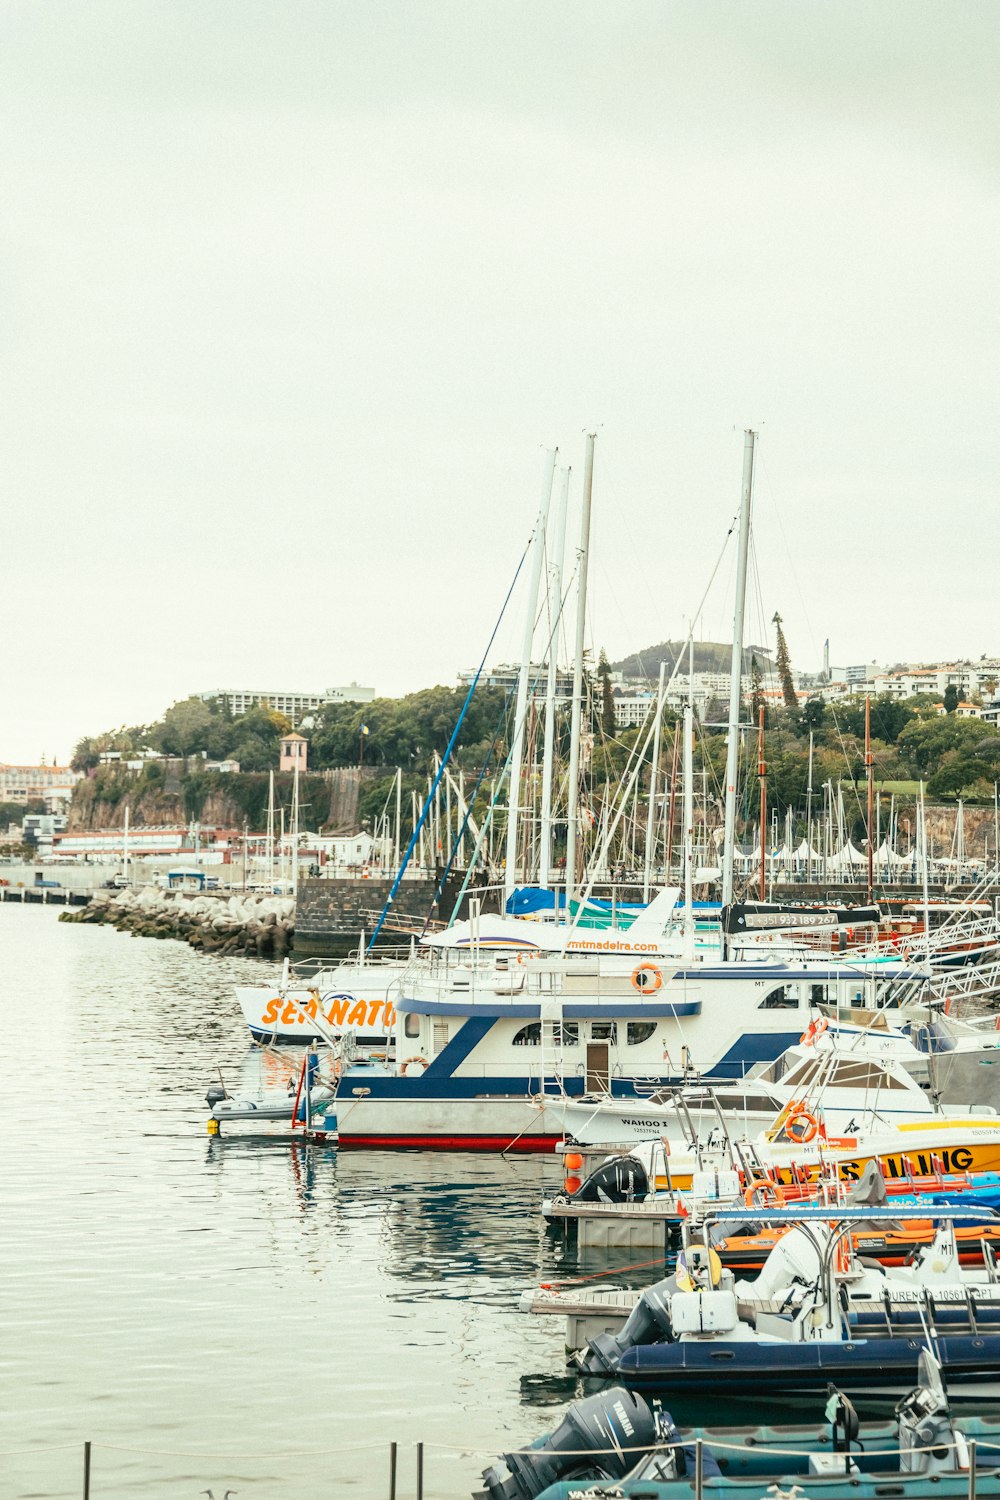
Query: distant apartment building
{"points": [[505, 676], [293, 705], [857, 676], [631, 706], [52, 785], [970, 679]]}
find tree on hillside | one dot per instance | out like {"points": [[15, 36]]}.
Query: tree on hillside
{"points": [[950, 698], [607, 696], [756, 690], [813, 715], [889, 717], [783, 663], [185, 727]]}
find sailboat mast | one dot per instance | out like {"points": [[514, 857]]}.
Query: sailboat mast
{"points": [[762, 777], [870, 778], [294, 861], [269, 841], [736, 670], [537, 546], [651, 821], [555, 610], [673, 798], [573, 793], [922, 813], [688, 832], [809, 812]]}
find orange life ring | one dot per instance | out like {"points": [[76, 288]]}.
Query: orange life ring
{"points": [[407, 1060], [763, 1185], [644, 985], [809, 1123], [813, 1030]]}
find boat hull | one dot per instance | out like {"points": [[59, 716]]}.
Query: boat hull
{"points": [[864, 1367], [486, 1123]]}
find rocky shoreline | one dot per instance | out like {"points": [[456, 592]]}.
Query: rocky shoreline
{"points": [[253, 926]]}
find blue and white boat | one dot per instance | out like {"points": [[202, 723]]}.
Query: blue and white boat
{"points": [[489, 1046]]}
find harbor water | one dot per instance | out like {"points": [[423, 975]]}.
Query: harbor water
{"points": [[236, 1314]]}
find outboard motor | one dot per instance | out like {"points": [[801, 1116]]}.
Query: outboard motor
{"points": [[622, 1180], [600, 1438], [647, 1323], [216, 1094], [929, 1442]]}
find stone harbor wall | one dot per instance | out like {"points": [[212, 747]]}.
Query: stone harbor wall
{"points": [[254, 925], [332, 914]]}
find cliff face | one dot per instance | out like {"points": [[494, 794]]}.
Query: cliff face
{"points": [[175, 795], [147, 808]]}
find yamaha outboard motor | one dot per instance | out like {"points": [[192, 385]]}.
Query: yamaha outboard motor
{"points": [[622, 1180], [647, 1323], [600, 1438]]}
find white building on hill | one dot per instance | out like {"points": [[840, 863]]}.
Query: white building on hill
{"points": [[293, 705]]}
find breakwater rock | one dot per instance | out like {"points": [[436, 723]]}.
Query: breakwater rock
{"points": [[258, 926]]}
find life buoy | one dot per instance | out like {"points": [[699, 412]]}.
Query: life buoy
{"points": [[766, 1185], [813, 1030], [647, 979], [809, 1127], [407, 1060]]}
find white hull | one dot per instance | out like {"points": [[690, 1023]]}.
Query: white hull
{"points": [[483, 1124]]}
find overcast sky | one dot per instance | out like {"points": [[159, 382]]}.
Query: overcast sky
{"points": [[294, 295]]}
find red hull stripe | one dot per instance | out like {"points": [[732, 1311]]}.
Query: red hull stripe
{"points": [[523, 1143]]}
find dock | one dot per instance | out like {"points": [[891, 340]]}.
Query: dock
{"points": [[44, 895], [651, 1224], [588, 1310]]}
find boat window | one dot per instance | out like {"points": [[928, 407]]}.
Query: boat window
{"points": [[566, 1033], [529, 1036], [783, 998], [640, 1031], [604, 1031], [863, 1075], [817, 994], [411, 1024], [803, 1074]]}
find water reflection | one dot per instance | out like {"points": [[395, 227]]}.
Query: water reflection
{"points": [[174, 1293]]}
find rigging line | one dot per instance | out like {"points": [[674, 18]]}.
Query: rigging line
{"points": [[428, 803], [456, 842], [505, 768]]}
